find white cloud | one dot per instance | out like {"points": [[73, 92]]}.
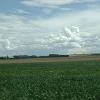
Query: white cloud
{"points": [[20, 11], [47, 3], [52, 3], [49, 34]]}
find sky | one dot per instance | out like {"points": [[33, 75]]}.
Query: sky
{"points": [[41, 27]]}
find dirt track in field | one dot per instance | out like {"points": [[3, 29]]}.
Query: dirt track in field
{"points": [[55, 59]]}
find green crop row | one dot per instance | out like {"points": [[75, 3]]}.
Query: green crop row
{"points": [[50, 81]]}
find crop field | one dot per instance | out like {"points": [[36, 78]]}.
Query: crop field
{"points": [[78, 80]]}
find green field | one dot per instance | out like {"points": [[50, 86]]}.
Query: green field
{"points": [[78, 80]]}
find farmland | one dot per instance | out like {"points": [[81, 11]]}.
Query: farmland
{"points": [[51, 59], [74, 80]]}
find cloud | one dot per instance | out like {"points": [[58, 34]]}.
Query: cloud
{"points": [[14, 30], [52, 3], [47, 3], [20, 11], [48, 34], [48, 6]]}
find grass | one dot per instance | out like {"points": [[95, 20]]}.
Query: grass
{"points": [[50, 81]]}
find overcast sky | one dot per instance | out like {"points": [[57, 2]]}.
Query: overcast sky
{"points": [[49, 26]]}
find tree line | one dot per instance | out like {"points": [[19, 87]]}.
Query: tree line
{"points": [[32, 56]]}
